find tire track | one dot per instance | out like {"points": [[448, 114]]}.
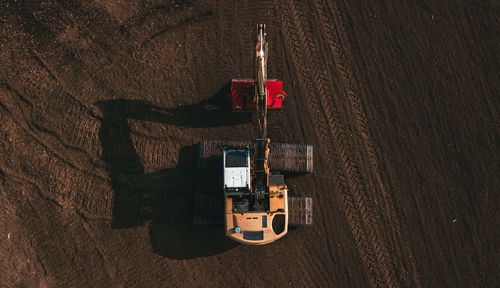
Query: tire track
{"points": [[155, 153], [358, 207], [46, 238], [291, 30], [335, 35], [10, 105], [59, 115], [336, 46], [60, 182]]}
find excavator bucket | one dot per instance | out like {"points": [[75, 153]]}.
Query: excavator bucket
{"points": [[300, 211], [282, 157], [242, 95]]}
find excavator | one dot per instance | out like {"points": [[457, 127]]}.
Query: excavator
{"points": [[256, 208]]}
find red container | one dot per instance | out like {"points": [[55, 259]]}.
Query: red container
{"points": [[242, 94]]}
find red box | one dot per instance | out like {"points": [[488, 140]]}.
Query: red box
{"points": [[242, 94]]}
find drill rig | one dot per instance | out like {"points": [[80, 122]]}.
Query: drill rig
{"points": [[257, 209]]}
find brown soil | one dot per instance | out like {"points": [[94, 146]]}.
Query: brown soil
{"points": [[102, 103]]}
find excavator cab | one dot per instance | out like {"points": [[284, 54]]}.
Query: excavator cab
{"points": [[236, 163]]}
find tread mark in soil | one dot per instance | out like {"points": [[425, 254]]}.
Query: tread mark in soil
{"points": [[340, 52], [358, 207]]}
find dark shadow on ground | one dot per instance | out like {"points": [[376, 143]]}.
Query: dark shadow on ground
{"points": [[213, 112], [165, 197]]}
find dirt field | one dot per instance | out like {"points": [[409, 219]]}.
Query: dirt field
{"points": [[102, 103]]}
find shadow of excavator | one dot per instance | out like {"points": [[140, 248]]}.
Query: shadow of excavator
{"points": [[165, 197]]}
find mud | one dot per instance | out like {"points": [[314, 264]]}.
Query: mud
{"points": [[102, 104]]}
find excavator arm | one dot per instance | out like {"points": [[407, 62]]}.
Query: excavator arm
{"points": [[261, 155]]}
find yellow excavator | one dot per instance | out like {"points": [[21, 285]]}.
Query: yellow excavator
{"points": [[257, 208]]}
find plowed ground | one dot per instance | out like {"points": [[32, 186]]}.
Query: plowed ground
{"points": [[102, 104]]}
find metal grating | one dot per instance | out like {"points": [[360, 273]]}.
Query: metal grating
{"points": [[291, 157], [300, 211]]}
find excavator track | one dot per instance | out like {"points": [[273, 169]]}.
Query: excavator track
{"points": [[291, 157], [282, 156], [208, 210], [300, 211]]}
